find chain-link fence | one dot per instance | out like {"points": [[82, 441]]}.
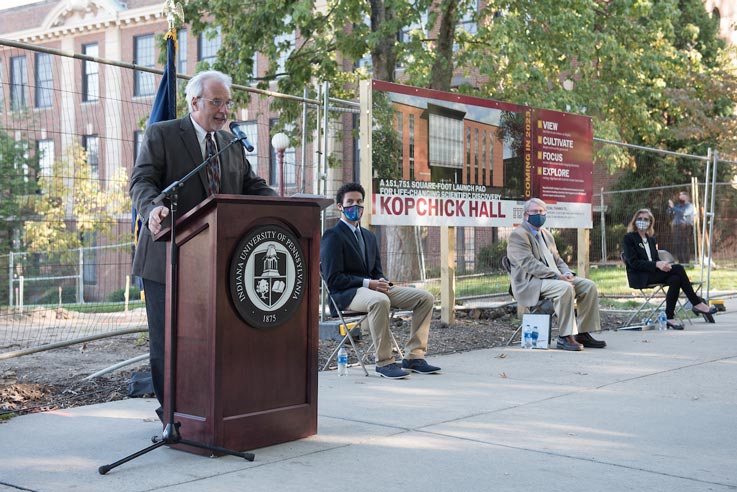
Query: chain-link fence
{"points": [[68, 147], [70, 128]]}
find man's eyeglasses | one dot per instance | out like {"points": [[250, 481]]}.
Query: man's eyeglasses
{"points": [[218, 103]]}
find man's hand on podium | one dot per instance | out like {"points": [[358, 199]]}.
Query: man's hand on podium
{"points": [[157, 215]]}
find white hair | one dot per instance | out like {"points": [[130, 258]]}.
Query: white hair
{"points": [[195, 85], [536, 201]]}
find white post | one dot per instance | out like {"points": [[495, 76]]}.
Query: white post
{"points": [[127, 290], [80, 278], [20, 294]]}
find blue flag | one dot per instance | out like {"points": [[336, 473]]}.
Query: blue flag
{"points": [[165, 104]]}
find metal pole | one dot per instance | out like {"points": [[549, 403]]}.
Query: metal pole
{"points": [[11, 261], [325, 132], [711, 219], [705, 214], [602, 215], [80, 279], [303, 152], [280, 154]]}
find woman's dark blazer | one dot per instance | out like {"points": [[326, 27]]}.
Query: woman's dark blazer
{"points": [[638, 266]]}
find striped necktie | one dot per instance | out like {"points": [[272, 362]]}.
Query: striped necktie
{"points": [[213, 168]]}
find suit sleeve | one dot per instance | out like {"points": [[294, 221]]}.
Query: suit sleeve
{"points": [[519, 251], [635, 256], [332, 263], [149, 172]]}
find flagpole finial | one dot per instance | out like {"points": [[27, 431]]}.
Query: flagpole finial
{"points": [[174, 13]]}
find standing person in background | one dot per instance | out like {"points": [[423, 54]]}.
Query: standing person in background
{"points": [[682, 220], [169, 151]]}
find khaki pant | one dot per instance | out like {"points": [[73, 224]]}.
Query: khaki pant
{"points": [[378, 305], [563, 293]]}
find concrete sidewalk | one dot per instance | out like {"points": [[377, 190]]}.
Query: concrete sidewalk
{"points": [[653, 411]]}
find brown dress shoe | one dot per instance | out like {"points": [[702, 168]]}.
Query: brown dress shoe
{"points": [[569, 343], [589, 342]]}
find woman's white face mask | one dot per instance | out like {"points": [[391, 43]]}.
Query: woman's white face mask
{"points": [[642, 224]]}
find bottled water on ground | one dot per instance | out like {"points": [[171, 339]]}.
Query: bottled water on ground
{"points": [[662, 324], [342, 361], [527, 337], [535, 334]]}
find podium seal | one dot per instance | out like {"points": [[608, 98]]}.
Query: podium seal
{"points": [[267, 276]]}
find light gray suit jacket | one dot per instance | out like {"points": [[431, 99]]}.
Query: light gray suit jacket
{"points": [[528, 266], [169, 151]]}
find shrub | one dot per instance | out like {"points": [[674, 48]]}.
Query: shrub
{"points": [[119, 294]]}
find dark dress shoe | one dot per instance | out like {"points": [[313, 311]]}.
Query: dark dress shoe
{"points": [[674, 325], [589, 342], [567, 343], [708, 315]]}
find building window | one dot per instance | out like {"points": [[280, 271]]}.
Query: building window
{"points": [[285, 43], [290, 166], [91, 144], [18, 83], [208, 45], [251, 130], [411, 136], [90, 74], [89, 259], [44, 81], [468, 22], [446, 141], [45, 149], [182, 51], [143, 55]]}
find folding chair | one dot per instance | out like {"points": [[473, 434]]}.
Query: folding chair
{"points": [[356, 317], [394, 340], [651, 293], [543, 306]]}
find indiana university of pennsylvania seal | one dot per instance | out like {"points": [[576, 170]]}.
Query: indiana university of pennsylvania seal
{"points": [[267, 276]]}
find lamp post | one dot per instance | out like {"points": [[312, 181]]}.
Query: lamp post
{"points": [[280, 142]]}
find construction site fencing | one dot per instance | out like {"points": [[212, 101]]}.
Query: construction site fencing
{"points": [[67, 244]]}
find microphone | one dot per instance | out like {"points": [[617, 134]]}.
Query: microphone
{"points": [[235, 129]]}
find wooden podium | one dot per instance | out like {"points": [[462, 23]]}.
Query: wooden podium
{"points": [[246, 321]]}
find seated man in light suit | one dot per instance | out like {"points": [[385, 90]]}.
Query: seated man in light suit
{"points": [[351, 266], [538, 271]]}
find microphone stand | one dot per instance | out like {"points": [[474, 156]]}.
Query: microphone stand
{"points": [[170, 434]]}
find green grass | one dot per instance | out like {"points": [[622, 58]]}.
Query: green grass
{"points": [[103, 307], [611, 281]]}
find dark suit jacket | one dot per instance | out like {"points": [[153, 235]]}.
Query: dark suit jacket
{"points": [[169, 151], [341, 264], [638, 266]]}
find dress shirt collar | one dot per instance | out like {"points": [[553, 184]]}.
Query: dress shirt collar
{"points": [[201, 135], [531, 229], [350, 226]]}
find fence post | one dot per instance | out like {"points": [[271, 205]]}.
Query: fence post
{"points": [[20, 294], [80, 278], [10, 279], [604, 254]]}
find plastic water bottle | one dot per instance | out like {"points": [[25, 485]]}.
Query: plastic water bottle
{"points": [[535, 334], [342, 361], [662, 321], [527, 340]]}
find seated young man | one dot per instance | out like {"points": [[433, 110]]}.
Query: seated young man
{"points": [[351, 266]]}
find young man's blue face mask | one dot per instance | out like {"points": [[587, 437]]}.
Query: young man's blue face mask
{"points": [[353, 213], [536, 220]]}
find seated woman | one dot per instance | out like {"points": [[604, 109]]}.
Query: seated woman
{"points": [[644, 267]]}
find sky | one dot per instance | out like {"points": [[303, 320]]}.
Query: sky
{"points": [[9, 4]]}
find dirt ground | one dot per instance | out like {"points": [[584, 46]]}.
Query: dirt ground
{"points": [[55, 379]]}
